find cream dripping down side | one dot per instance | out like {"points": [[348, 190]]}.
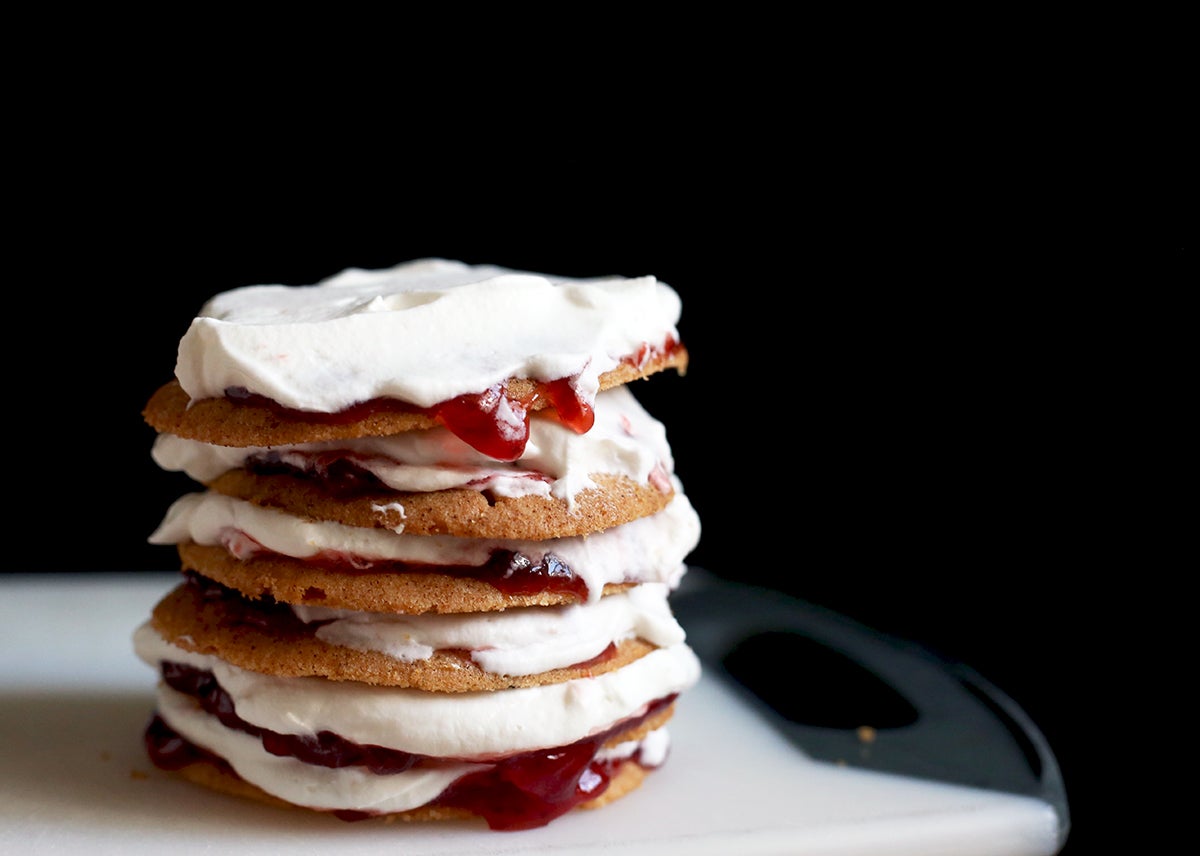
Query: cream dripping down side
{"points": [[649, 549], [624, 440], [398, 333]]}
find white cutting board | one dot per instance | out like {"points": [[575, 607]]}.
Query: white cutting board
{"points": [[73, 776]]}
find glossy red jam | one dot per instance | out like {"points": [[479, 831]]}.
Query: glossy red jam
{"points": [[523, 791]]}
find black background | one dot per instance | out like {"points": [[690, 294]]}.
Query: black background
{"points": [[901, 369]]}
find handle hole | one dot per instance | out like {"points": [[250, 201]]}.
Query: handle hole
{"points": [[810, 684]]}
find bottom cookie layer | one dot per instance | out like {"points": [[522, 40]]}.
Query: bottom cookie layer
{"points": [[522, 792]]}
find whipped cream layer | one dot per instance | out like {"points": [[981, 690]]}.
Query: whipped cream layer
{"points": [[624, 440], [344, 788], [649, 549], [472, 727], [521, 641], [402, 333]]}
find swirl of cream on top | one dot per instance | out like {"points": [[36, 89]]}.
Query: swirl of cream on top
{"points": [[423, 332]]}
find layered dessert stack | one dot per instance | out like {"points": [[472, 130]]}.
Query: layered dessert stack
{"points": [[426, 568]]}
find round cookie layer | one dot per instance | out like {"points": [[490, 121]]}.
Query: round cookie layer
{"points": [[286, 556], [477, 727], [219, 776], [272, 640], [233, 422], [557, 462], [295, 581], [461, 512]]}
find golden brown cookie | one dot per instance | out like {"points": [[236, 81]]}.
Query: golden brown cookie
{"points": [[271, 640], [229, 422], [291, 580], [461, 511]]}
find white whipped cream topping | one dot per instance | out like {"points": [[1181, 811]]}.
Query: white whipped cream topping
{"points": [[522, 641], [473, 726], [649, 549], [346, 788], [399, 333], [624, 440]]}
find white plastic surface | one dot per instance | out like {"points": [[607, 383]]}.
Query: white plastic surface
{"points": [[74, 778]]}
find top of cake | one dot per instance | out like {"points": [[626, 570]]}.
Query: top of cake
{"points": [[422, 332], [428, 333]]}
